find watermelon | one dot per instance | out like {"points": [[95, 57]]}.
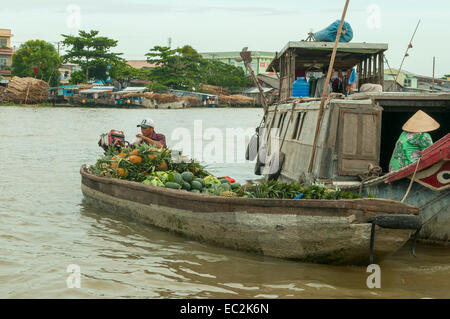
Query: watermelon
{"points": [[186, 186], [200, 180], [226, 187], [175, 178], [224, 180], [187, 176], [172, 185], [235, 185], [196, 185]]}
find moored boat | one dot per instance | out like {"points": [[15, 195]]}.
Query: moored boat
{"points": [[347, 140], [429, 179], [320, 231]]}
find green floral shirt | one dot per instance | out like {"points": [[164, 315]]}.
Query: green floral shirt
{"points": [[408, 148]]}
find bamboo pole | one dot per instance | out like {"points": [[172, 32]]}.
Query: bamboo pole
{"points": [[432, 89], [406, 54], [325, 87]]}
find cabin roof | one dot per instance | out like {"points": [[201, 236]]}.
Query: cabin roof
{"points": [[316, 53]]}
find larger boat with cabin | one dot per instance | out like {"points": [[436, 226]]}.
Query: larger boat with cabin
{"points": [[350, 141]]}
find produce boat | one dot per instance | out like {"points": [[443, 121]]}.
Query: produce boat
{"points": [[320, 231]]}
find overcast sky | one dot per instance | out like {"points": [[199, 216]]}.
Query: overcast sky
{"points": [[230, 25]]}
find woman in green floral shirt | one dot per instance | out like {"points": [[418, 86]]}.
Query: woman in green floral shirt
{"points": [[413, 140]]}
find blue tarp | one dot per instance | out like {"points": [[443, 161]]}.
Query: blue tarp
{"points": [[329, 34]]}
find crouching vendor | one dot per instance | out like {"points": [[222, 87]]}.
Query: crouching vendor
{"points": [[149, 136], [413, 140]]}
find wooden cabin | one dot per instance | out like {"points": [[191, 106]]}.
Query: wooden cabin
{"points": [[312, 56], [356, 131]]}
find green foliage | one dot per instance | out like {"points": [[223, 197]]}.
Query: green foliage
{"points": [[91, 52], [221, 74], [77, 77], [176, 68], [40, 54], [274, 189], [123, 73], [185, 69], [155, 86]]}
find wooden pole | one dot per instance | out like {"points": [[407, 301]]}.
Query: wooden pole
{"points": [[406, 53], [246, 57], [432, 90], [325, 87]]}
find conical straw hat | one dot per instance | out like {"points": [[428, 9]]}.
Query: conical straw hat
{"points": [[420, 122]]}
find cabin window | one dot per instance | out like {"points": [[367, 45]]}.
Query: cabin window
{"points": [[300, 125], [281, 122], [297, 123], [274, 120], [407, 82]]}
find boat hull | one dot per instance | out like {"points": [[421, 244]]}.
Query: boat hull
{"points": [[331, 232], [434, 206]]}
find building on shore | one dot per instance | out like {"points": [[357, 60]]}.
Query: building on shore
{"points": [[66, 71], [260, 62], [410, 82], [6, 52], [141, 64]]}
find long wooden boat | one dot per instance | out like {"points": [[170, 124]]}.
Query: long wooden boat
{"points": [[320, 231]]}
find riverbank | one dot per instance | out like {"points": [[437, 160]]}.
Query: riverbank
{"points": [[125, 106], [26, 105]]}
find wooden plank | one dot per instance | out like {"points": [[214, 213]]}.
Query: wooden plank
{"points": [[381, 66], [374, 75]]}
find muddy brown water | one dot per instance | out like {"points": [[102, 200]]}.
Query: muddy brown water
{"points": [[45, 225]]}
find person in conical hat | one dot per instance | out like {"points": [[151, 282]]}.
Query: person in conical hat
{"points": [[413, 140]]}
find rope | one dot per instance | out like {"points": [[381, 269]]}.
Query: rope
{"points": [[372, 173], [412, 180]]}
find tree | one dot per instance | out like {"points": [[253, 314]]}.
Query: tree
{"points": [[446, 76], [215, 72], [123, 73], [176, 68], [77, 77], [91, 52], [39, 59], [184, 68]]}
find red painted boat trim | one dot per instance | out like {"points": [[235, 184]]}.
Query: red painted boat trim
{"points": [[430, 156]]}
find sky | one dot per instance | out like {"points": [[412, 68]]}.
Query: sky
{"points": [[230, 25]]}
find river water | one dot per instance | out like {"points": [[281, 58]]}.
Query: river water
{"points": [[45, 226]]}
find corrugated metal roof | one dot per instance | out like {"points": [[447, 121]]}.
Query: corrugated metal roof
{"points": [[140, 64], [88, 91]]}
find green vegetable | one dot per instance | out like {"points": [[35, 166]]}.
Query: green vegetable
{"points": [[215, 189], [194, 191], [186, 186], [200, 181], [172, 185], [196, 185], [211, 180], [188, 176], [226, 187], [224, 180], [154, 181], [235, 185], [163, 176], [175, 177]]}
